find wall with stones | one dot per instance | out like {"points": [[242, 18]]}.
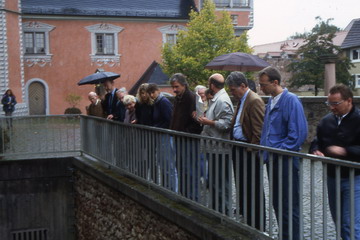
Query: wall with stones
{"points": [[103, 213]]}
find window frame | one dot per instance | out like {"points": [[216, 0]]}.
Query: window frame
{"points": [[352, 55], [101, 59], [170, 30], [357, 80], [34, 28], [232, 4], [35, 46]]}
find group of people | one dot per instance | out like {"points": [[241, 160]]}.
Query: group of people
{"points": [[281, 123]]}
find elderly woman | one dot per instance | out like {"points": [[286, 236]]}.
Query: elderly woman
{"points": [[144, 106], [130, 102]]}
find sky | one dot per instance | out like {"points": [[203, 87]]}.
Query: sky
{"points": [[276, 20]]}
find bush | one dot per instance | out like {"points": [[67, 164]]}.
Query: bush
{"points": [[72, 110]]}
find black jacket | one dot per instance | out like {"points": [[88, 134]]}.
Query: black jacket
{"points": [[182, 119], [346, 135], [109, 105]]}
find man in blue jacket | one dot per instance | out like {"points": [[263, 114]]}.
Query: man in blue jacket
{"points": [[285, 127]]}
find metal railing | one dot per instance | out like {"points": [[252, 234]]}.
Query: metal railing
{"points": [[39, 135], [262, 187]]}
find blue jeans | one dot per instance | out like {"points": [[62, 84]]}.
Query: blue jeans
{"points": [[285, 194], [345, 205]]}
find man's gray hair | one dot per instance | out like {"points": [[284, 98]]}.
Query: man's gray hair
{"points": [[180, 78], [236, 79], [122, 90]]}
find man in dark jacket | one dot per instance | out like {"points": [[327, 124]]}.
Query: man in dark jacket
{"points": [[182, 120], [165, 151], [338, 136], [109, 103], [162, 107], [184, 106]]}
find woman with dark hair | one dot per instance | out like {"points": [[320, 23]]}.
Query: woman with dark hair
{"points": [[9, 101], [144, 106]]}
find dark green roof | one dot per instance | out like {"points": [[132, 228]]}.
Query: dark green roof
{"points": [[110, 8]]}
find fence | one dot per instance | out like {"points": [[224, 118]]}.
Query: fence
{"points": [[286, 198]]}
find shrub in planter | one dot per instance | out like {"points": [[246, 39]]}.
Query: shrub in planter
{"points": [[72, 110], [73, 100]]}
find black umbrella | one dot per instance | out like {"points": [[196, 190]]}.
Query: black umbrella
{"points": [[237, 62], [98, 77]]}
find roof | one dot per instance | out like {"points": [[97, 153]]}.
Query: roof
{"points": [[111, 8], [153, 74], [291, 46], [353, 37]]}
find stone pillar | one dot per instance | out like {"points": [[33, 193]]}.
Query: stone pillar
{"points": [[329, 73]]}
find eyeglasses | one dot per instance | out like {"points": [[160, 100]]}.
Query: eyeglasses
{"points": [[334, 104], [263, 84]]}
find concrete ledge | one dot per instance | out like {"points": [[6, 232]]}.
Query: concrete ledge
{"points": [[200, 223]]}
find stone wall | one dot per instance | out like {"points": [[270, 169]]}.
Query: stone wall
{"points": [[103, 213]]}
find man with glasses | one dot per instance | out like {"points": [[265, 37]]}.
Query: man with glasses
{"points": [[246, 126], [338, 136], [285, 127]]}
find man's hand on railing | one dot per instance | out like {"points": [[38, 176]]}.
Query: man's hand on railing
{"points": [[318, 153], [110, 117]]}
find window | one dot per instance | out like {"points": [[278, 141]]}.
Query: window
{"points": [[171, 38], [222, 3], [355, 54], [36, 43], [169, 33], [357, 80], [231, 3], [234, 19], [105, 44]]}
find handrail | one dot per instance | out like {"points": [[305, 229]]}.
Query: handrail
{"points": [[221, 175]]}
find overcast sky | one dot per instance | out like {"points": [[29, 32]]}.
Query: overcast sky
{"points": [[276, 20]]}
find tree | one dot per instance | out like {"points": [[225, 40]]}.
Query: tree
{"points": [[309, 68], [207, 36]]}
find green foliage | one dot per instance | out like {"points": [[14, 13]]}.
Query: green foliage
{"points": [[73, 99], [207, 36], [309, 69]]}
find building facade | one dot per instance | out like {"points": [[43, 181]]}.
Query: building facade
{"points": [[46, 47], [351, 46]]}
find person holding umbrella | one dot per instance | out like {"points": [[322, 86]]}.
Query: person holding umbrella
{"points": [[110, 99]]}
